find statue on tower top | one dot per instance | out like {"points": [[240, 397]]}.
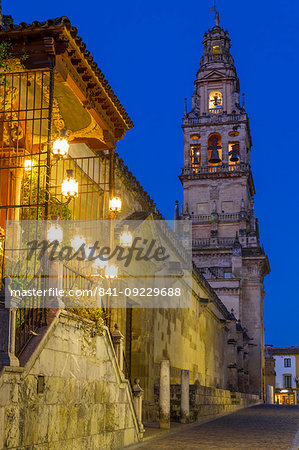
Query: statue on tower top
{"points": [[213, 9]]}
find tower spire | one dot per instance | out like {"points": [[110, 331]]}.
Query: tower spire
{"points": [[213, 9]]}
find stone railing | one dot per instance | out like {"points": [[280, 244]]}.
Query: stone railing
{"points": [[211, 242], [225, 168], [211, 117], [215, 110], [223, 217], [215, 57]]}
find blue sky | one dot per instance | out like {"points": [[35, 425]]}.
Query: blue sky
{"points": [[150, 52]]}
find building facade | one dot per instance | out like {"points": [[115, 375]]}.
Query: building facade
{"points": [[286, 374], [218, 193]]}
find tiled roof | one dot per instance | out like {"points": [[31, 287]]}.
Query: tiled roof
{"points": [[283, 350], [61, 23]]}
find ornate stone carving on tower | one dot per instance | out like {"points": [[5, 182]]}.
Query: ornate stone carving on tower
{"points": [[218, 193]]}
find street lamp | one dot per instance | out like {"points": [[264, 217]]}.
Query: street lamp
{"points": [[126, 237], [69, 187], [77, 242], [60, 147], [54, 232], [115, 204], [111, 272], [28, 164]]}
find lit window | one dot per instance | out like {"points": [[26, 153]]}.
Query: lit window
{"points": [[287, 362], [234, 152], [214, 149], [216, 49], [215, 101], [287, 381], [195, 155]]}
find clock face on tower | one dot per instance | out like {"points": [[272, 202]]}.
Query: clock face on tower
{"points": [[215, 100]]}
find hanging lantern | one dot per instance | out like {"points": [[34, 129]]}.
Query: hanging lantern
{"points": [[111, 272], [60, 147], [55, 233], [28, 164], [69, 187], [115, 204], [77, 242], [126, 237]]}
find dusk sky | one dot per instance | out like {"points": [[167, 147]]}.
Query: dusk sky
{"points": [[150, 52]]}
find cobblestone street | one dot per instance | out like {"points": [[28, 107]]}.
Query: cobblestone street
{"points": [[262, 427]]}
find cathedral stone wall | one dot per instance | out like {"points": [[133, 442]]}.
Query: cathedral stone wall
{"points": [[193, 339]]}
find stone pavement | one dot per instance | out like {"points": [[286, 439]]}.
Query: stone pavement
{"points": [[260, 427]]}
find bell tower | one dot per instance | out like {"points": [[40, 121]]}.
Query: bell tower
{"points": [[219, 190]]}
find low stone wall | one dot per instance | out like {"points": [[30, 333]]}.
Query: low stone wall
{"points": [[71, 394], [208, 401]]}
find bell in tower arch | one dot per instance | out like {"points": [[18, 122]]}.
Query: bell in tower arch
{"points": [[234, 153], [214, 147]]}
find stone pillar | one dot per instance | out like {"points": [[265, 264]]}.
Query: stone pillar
{"points": [[7, 329], [232, 374], [270, 394], [204, 154], [118, 344], [164, 395], [185, 405], [138, 397], [224, 149]]}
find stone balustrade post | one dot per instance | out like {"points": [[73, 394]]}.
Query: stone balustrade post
{"points": [[164, 395], [7, 328], [185, 403], [118, 344], [138, 397]]}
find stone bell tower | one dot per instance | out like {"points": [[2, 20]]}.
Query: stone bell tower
{"points": [[218, 193]]}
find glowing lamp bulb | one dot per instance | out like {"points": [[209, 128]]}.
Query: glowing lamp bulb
{"points": [[115, 204], [28, 164], [69, 187], [60, 147], [55, 233], [111, 272], [126, 237], [77, 242]]}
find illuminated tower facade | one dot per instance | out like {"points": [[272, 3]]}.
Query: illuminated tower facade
{"points": [[218, 193]]}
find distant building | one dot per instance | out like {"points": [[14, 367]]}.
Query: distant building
{"points": [[286, 373]]}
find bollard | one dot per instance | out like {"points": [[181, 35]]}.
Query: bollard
{"points": [[164, 395], [185, 406]]}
